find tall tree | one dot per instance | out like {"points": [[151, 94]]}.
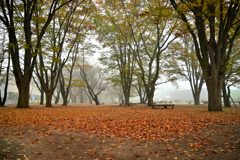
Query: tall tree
{"points": [[144, 32], [232, 75], [121, 65], [161, 31], [4, 66], [214, 26], [120, 59], [15, 15], [51, 59], [186, 65], [65, 83]]}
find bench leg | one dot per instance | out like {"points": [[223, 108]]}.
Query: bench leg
{"points": [[165, 107], [173, 107]]}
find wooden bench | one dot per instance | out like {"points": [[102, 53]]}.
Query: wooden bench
{"points": [[164, 105], [130, 104]]}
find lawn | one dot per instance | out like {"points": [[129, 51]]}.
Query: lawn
{"points": [[113, 132]]}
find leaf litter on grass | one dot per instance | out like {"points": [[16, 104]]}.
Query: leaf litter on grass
{"points": [[141, 124]]}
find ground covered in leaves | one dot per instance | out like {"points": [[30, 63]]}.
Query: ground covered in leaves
{"points": [[113, 132]]}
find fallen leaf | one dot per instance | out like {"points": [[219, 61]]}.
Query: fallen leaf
{"points": [[59, 155], [214, 152], [6, 151], [37, 153]]}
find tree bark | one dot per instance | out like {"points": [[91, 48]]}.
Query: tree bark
{"points": [[150, 94], [214, 85], [150, 99], [196, 91], [64, 94], [65, 101], [127, 96], [81, 96], [226, 95], [48, 98], [3, 100], [57, 98], [196, 97], [96, 100], [142, 96], [42, 97], [228, 104], [23, 99]]}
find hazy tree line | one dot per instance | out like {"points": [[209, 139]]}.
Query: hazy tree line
{"points": [[147, 43]]}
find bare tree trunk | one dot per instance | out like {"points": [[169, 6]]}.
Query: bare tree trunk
{"points": [[196, 98], [57, 98], [127, 96], [2, 101], [64, 95], [81, 96], [150, 99], [48, 98], [96, 100], [141, 92], [65, 101], [143, 98], [150, 93], [23, 99], [42, 97], [214, 86], [228, 104], [226, 95], [69, 100]]}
